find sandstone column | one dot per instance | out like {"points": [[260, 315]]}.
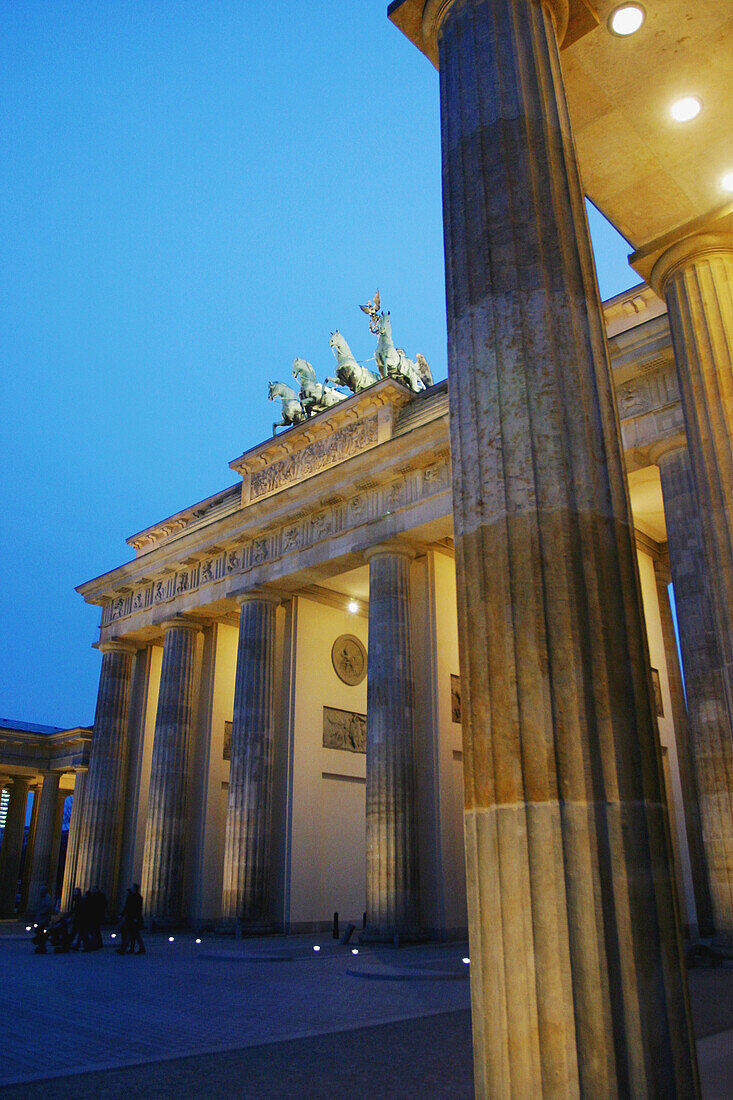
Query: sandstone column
{"points": [[709, 715], [576, 973], [392, 882], [695, 276], [247, 868], [685, 758], [100, 828], [12, 846], [25, 874], [53, 867], [165, 832], [42, 849], [72, 844]]}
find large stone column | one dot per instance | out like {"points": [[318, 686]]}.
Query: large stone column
{"points": [[247, 867], [100, 830], [43, 847], [12, 846], [392, 881], [577, 981], [72, 844], [695, 276], [685, 756], [164, 856], [709, 715], [25, 875]]}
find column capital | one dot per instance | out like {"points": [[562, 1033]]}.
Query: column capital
{"points": [[115, 645], [400, 549], [180, 622], [256, 595], [660, 260], [665, 446], [421, 20]]}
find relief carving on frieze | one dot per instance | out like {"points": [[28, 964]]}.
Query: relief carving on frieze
{"points": [[319, 455]]}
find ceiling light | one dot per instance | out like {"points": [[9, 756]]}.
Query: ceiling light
{"points": [[352, 607], [626, 19], [727, 181], [687, 108]]}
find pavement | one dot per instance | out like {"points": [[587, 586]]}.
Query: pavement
{"points": [[266, 1018]]}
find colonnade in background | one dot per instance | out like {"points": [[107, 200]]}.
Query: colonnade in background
{"points": [[40, 863]]}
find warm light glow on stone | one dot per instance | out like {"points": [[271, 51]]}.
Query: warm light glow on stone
{"points": [[685, 109], [626, 19], [727, 181], [352, 607]]}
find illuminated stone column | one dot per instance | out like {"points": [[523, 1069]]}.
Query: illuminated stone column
{"points": [[43, 847], [100, 829], [577, 980], [709, 717], [164, 858], [12, 846], [72, 844], [29, 847], [695, 276], [247, 867], [392, 881]]}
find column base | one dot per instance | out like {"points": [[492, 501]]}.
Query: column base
{"points": [[397, 937], [245, 928]]}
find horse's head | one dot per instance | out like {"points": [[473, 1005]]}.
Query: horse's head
{"points": [[335, 339], [271, 391], [385, 325], [301, 366]]}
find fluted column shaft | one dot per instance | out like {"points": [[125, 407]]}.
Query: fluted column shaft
{"points": [[164, 857], [696, 277], [576, 972], [12, 846], [685, 757], [42, 849], [100, 830], [392, 881], [247, 866], [709, 715], [72, 844]]}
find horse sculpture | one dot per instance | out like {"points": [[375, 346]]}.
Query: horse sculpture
{"points": [[393, 362], [348, 372], [292, 410], [314, 397]]}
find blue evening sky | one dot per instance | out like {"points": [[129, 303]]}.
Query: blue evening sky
{"points": [[192, 195]]}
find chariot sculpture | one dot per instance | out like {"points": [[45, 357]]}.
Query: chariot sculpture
{"points": [[314, 397]]}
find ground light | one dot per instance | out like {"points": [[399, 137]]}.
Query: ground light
{"points": [[114, 936], [354, 950], [198, 940], [28, 928], [170, 939], [626, 19], [685, 109], [465, 960], [316, 947]]}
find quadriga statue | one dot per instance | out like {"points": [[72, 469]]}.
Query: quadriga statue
{"points": [[292, 410], [348, 372], [314, 396], [393, 362]]}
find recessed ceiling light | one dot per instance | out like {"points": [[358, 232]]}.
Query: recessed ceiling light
{"points": [[352, 607], [687, 108], [727, 181], [626, 19]]}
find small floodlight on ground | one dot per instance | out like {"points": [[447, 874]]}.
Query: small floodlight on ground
{"points": [[198, 939], [354, 950], [685, 109], [465, 960], [114, 936], [316, 947], [170, 939], [626, 19], [28, 928]]}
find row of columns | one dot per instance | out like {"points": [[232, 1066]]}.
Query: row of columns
{"points": [[44, 840], [392, 875]]}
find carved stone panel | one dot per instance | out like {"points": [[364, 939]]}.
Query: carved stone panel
{"points": [[344, 729], [349, 659]]}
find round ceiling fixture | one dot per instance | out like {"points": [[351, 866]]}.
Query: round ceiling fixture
{"points": [[685, 109], [626, 19], [727, 181]]}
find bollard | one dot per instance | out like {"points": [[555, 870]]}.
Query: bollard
{"points": [[335, 924], [348, 933]]}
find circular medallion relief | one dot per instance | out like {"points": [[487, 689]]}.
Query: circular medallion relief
{"points": [[349, 659]]}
